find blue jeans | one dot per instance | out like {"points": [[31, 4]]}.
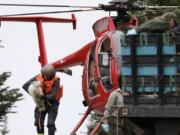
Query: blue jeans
{"points": [[52, 111]]}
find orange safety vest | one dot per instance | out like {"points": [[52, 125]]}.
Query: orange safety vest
{"points": [[47, 86]]}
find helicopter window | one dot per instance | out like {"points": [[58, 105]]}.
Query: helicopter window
{"points": [[106, 46], [101, 25], [92, 76], [105, 63]]}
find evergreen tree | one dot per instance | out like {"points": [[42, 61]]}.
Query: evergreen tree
{"points": [[7, 99], [149, 14], [4, 130]]}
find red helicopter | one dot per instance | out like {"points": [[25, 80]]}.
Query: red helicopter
{"points": [[100, 58]]}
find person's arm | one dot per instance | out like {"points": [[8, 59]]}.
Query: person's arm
{"points": [[54, 90], [176, 29], [26, 85]]}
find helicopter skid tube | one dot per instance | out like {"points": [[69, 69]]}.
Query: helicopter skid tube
{"points": [[81, 121], [98, 125]]}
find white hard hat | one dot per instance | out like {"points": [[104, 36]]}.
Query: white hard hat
{"points": [[48, 72]]}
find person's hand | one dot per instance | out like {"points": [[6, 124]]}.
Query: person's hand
{"points": [[105, 126], [43, 97]]}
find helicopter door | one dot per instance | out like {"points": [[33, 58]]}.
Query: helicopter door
{"points": [[105, 53], [92, 74]]}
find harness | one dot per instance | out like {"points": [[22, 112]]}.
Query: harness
{"points": [[47, 86]]}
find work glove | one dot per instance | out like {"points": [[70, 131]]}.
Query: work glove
{"points": [[105, 125]]}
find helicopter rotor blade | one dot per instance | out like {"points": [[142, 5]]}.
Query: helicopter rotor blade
{"points": [[87, 8], [49, 12], [84, 8], [39, 5], [1, 46], [160, 7]]}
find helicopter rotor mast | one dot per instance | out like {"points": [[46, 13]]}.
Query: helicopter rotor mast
{"points": [[122, 7]]}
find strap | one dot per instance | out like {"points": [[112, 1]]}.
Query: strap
{"points": [[124, 82], [143, 39], [165, 37], [171, 82], [142, 84], [123, 41]]}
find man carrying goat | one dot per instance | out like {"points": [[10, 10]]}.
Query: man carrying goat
{"points": [[51, 94]]}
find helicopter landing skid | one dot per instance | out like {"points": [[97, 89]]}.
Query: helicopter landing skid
{"points": [[88, 111]]}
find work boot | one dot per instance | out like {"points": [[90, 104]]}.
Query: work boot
{"points": [[51, 130]]}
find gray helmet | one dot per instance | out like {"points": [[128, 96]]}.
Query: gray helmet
{"points": [[48, 72]]}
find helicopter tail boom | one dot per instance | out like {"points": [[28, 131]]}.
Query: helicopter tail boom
{"points": [[74, 59]]}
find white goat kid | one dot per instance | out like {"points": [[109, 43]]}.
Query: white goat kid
{"points": [[35, 91]]}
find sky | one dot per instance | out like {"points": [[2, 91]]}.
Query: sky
{"points": [[20, 57]]}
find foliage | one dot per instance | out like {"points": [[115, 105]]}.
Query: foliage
{"points": [[4, 130], [164, 2], [149, 14], [7, 99], [95, 118]]}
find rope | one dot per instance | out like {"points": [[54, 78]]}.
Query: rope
{"points": [[171, 81], [123, 41], [142, 84]]}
